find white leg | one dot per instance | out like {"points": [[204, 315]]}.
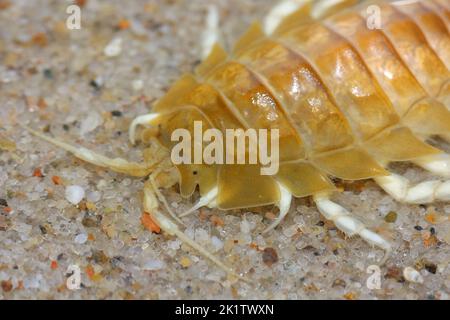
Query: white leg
{"points": [[281, 11], [206, 200], [210, 198], [284, 205], [117, 164], [349, 225], [285, 8], [161, 196], [321, 7], [438, 164], [145, 119], [425, 192], [211, 35], [165, 223]]}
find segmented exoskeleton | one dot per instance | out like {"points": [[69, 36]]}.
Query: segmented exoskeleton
{"points": [[347, 100]]}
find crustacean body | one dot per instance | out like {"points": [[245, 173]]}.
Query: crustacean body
{"points": [[346, 100]]}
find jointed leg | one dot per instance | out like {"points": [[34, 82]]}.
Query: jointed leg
{"points": [[117, 164], [206, 200], [210, 197], [438, 164], [319, 9], [281, 11], [350, 225], [211, 35], [145, 119], [161, 196], [284, 205], [425, 192], [167, 225], [323, 8]]}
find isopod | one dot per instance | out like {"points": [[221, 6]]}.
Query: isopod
{"points": [[347, 97]]}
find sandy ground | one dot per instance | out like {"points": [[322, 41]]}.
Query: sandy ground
{"points": [[61, 82]]}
